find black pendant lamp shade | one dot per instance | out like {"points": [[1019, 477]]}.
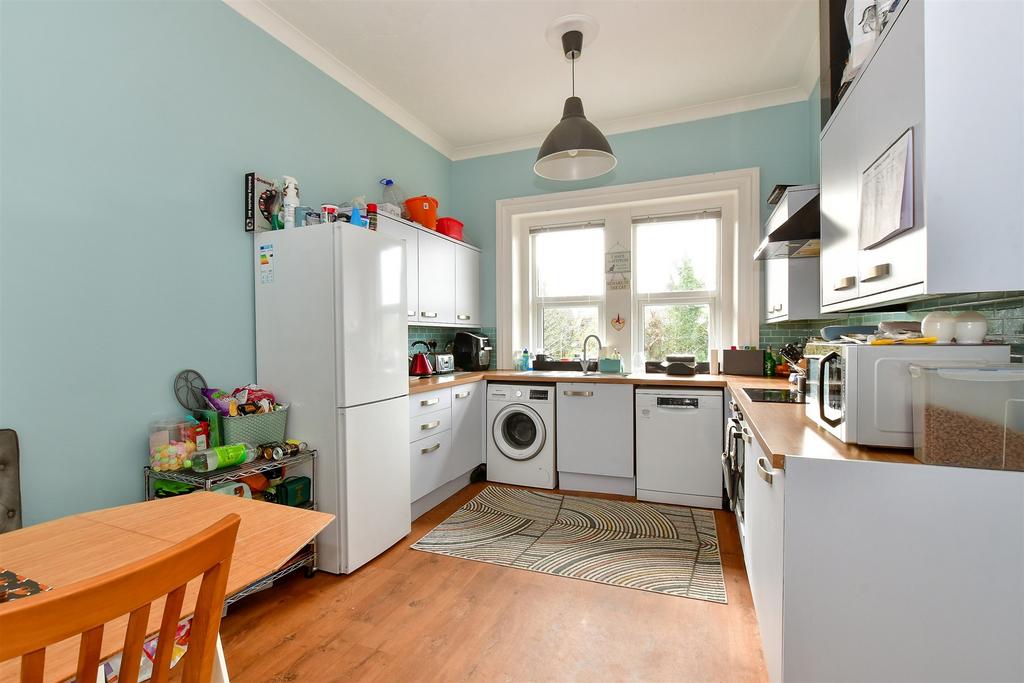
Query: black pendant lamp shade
{"points": [[574, 149]]}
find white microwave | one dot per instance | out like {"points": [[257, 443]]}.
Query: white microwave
{"points": [[862, 394]]}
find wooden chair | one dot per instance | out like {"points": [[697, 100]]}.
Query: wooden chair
{"points": [[29, 625]]}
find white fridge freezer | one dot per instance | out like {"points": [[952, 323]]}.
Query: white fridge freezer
{"points": [[331, 340]]}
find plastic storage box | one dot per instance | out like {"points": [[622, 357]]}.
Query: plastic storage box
{"points": [[969, 416]]}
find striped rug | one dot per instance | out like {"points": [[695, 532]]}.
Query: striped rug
{"points": [[660, 548]]}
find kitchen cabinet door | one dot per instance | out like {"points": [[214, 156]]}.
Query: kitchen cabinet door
{"points": [[467, 286], [429, 463], [468, 403], [776, 288], [764, 498], [409, 235], [594, 429], [895, 77], [437, 279], [840, 206]]}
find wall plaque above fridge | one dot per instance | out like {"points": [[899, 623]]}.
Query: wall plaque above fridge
{"points": [[887, 193]]}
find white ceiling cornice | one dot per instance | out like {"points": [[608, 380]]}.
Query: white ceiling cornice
{"points": [[811, 72], [663, 118], [301, 44], [296, 40]]}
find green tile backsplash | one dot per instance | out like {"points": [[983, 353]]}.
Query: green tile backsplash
{"points": [[1003, 310], [446, 335]]}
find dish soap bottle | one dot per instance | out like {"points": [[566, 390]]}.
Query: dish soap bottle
{"points": [[526, 359], [769, 362]]}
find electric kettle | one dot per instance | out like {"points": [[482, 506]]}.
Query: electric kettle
{"points": [[419, 364]]}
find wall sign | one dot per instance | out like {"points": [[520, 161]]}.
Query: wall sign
{"points": [[617, 267]]}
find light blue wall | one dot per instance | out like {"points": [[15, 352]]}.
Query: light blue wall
{"points": [[126, 128], [775, 139]]}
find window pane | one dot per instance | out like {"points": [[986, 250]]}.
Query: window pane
{"points": [[676, 328], [677, 256], [566, 328], [569, 262]]}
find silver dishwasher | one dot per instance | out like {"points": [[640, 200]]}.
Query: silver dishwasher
{"points": [[679, 446]]}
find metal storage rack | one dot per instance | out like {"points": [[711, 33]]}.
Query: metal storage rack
{"points": [[206, 481]]}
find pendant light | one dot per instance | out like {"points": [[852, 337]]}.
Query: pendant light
{"points": [[574, 149]]}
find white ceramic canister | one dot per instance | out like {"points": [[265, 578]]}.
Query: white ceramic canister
{"points": [[971, 328], [939, 324]]}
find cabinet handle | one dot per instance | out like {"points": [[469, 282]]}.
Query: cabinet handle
{"points": [[429, 402], [584, 394], [764, 470], [430, 449], [428, 314], [463, 316], [462, 394], [430, 425], [879, 272], [844, 283], [410, 313]]}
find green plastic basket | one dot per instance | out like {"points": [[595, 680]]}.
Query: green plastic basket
{"points": [[256, 429]]}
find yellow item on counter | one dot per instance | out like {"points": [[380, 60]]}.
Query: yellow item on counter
{"points": [[918, 340]]}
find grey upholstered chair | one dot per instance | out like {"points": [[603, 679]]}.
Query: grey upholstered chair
{"points": [[10, 481]]}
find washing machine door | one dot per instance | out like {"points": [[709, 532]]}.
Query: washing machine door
{"points": [[518, 432]]}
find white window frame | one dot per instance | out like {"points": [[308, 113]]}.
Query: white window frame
{"points": [[712, 298], [737, 192], [537, 304]]}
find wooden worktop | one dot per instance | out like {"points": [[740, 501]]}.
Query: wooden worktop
{"points": [[782, 429]]}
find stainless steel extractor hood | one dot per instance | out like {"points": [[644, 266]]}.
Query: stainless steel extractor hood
{"points": [[794, 228]]}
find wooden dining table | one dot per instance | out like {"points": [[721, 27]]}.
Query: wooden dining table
{"points": [[66, 550]]}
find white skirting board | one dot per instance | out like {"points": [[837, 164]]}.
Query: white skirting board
{"points": [[690, 500], [571, 481], [439, 495]]}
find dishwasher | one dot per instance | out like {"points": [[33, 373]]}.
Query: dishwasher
{"points": [[679, 446]]}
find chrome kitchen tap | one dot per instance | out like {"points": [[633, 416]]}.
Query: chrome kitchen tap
{"points": [[584, 362]]}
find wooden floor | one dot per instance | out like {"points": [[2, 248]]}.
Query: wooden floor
{"points": [[416, 616]]}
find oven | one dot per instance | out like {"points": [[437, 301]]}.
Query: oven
{"points": [[732, 462]]}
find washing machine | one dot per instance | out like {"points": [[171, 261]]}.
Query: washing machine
{"points": [[521, 435]]}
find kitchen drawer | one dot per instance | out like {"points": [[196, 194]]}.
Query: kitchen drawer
{"points": [[430, 402], [428, 463], [430, 424]]}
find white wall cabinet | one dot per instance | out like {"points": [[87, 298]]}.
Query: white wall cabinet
{"points": [[951, 73], [443, 275], [437, 279], [467, 286], [594, 437], [791, 289]]}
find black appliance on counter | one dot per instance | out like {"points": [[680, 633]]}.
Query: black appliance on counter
{"points": [[472, 352]]}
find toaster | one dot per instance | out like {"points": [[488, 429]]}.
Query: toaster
{"points": [[443, 363]]}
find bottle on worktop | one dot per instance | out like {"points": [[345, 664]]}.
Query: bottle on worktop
{"points": [[769, 362]]}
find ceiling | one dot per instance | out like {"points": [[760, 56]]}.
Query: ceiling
{"points": [[480, 77]]}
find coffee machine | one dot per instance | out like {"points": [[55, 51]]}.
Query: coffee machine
{"points": [[472, 351]]}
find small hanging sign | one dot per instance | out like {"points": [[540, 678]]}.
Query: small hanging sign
{"points": [[617, 267], [618, 322]]}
